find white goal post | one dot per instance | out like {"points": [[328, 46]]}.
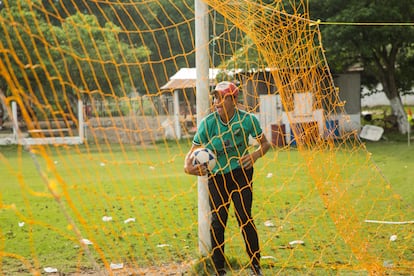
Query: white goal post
{"points": [[202, 103], [21, 138]]}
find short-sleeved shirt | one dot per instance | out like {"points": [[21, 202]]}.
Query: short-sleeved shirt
{"points": [[229, 141]]}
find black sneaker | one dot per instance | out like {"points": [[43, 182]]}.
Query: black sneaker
{"points": [[255, 271]]}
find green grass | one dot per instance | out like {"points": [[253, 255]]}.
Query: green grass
{"points": [[148, 184]]}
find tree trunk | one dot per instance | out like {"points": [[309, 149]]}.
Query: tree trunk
{"points": [[398, 110], [386, 61]]}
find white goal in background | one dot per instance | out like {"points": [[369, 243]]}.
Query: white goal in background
{"points": [[59, 135]]}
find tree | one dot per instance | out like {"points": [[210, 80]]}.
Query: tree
{"points": [[165, 27], [64, 58], [384, 51], [95, 58]]}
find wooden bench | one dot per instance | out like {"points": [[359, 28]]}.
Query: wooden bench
{"points": [[49, 131]]}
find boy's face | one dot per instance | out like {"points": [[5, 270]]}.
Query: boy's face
{"points": [[224, 105]]}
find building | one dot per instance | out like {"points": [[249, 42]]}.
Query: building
{"points": [[260, 95]]}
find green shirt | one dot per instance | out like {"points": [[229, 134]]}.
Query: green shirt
{"points": [[229, 141]]}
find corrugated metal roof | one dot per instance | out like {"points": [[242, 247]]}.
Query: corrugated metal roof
{"points": [[186, 78], [174, 84]]}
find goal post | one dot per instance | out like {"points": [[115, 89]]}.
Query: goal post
{"points": [[202, 105], [59, 137]]}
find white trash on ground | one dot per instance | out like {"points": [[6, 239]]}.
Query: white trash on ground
{"points": [[372, 133], [86, 241], [50, 270], [116, 266], [296, 242], [393, 238], [129, 220], [106, 218]]}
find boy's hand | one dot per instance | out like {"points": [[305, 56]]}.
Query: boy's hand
{"points": [[247, 161], [189, 168]]}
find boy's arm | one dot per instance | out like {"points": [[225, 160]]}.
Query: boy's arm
{"points": [[247, 161]]}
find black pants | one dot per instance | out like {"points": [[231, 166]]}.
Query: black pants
{"points": [[236, 186]]}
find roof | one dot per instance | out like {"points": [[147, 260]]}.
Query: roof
{"points": [[186, 78]]}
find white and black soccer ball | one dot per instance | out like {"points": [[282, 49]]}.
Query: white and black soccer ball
{"points": [[204, 156]]}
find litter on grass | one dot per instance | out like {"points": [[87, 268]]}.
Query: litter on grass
{"points": [[393, 238], [86, 241], [50, 270], [106, 218], [388, 264], [372, 133], [116, 266], [129, 220], [296, 242], [389, 222]]}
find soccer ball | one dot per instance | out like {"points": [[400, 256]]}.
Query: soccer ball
{"points": [[204, 156]]}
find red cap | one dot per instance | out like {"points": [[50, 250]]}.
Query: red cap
{"points": [[226, 88]]}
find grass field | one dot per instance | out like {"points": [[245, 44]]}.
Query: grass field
{"points": [[150, 185]]}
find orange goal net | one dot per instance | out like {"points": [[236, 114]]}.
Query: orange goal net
{"points": [[99, 110]]}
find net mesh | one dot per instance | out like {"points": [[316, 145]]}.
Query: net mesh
{"points": [[102, 118]]}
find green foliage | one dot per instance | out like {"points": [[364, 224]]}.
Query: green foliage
{"points": [[244, 57], [383, 51], [78, 48]]}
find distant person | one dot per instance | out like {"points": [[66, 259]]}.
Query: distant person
{"points": [[410, 117], [1, 116], [226, 132]]}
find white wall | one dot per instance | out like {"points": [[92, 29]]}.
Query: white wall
{"points": [[380, 99]]}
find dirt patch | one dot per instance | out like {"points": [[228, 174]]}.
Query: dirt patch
{"points": [[184, 268]]}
